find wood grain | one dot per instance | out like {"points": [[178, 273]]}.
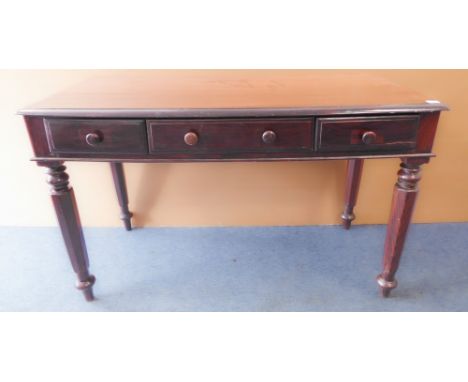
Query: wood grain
{"points": [[346, 133]]}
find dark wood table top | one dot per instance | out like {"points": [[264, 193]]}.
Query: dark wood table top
{"points": [[205, 93]]}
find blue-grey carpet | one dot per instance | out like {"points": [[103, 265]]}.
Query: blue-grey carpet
{"points": [[236, 269]]}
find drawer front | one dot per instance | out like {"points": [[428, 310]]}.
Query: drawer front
{"points": [[367, 133], [230, 135], [106, 136]]}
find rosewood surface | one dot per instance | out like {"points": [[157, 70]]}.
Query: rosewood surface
{"points": [[180, 116]]}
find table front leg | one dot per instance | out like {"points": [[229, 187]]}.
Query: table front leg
{"points": [[353, 180], [120, 187], [63, 199], [404, 198]]}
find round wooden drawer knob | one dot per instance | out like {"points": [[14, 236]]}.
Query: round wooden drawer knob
{"points": [[369, 137], [191, 138], [269, 136], [93, 139]]}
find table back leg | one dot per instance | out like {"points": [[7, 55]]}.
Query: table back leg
{"points": [[353, 180], [121, 189], [63, 199]]}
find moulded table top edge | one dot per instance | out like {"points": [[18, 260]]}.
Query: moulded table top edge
{"points": [[229, 112]]}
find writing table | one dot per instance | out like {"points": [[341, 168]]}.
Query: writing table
{"points": [[233, 115]]}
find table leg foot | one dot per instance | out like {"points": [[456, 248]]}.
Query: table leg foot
{"points": [[127, 220], [346, 219], [385, 285], [86, 286]]}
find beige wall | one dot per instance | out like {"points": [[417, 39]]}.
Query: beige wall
{"points": [[227, 194]]}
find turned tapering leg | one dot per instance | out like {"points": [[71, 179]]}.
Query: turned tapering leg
{"points": [[63, 199], [404, 198], [353, 179], [121, 189]]}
